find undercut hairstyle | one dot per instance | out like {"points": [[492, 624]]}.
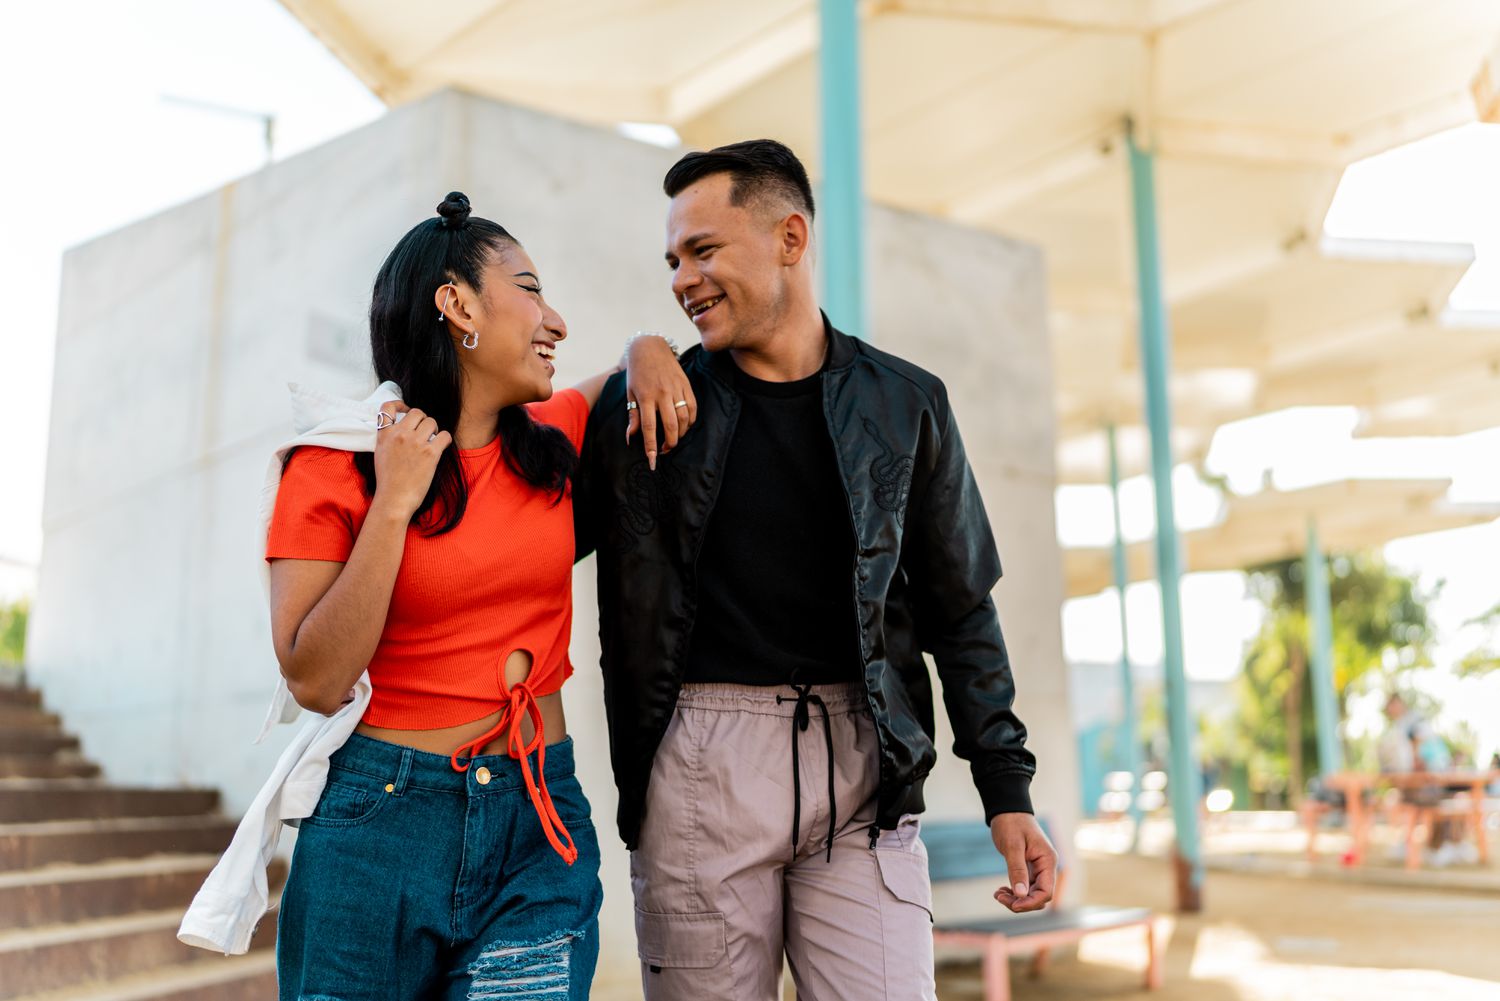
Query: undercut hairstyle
{"points": [[763, 170]]}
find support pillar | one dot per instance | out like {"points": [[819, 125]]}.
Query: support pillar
{"points": [[1184, 780], [1128, 755], [842, 199]]}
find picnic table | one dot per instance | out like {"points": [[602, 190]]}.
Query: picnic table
{"points": [[1356, 787]]}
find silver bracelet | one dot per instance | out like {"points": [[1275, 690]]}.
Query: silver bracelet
{"points": [[676, 352]]}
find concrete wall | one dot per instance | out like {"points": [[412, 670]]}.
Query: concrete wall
{"points": [[178, 334]]}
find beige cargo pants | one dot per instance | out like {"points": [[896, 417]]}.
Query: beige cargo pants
{"points": [[721, 889]]}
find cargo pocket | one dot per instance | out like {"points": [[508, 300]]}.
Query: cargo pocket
{"points": [[683, 955], [903, 870]]}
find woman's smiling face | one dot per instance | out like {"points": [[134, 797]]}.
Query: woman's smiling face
{"points": [[517, 330]]}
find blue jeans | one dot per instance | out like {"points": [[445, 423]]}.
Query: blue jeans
{"points": [[413, 881]]}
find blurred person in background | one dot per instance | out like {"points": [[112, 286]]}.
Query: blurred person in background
{"points": [[1410, 744]]}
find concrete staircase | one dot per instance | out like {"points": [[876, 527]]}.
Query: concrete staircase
{"points": [[94, 878]]}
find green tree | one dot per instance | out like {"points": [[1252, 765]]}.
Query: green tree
{"points": [[1380, 628], [1486, 657], [13, 632]]}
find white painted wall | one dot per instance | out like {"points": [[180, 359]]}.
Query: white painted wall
{"points": [[178, 334]]}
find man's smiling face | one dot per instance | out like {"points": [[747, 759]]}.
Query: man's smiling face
{"points": [[727, 271]]}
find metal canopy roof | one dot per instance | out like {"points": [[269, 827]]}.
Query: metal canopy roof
{"points": [[1009, 115], [1272, 525], [1358, 323]]}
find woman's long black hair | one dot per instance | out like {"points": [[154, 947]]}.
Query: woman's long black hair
{"points": [[411, 347]]}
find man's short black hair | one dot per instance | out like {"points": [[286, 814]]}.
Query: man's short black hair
{"points": [[761, 168]]}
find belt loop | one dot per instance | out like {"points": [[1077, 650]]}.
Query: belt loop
{"points": [[403, 770]]}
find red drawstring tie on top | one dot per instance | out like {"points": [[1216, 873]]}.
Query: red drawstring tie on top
{"points": [[522, 704]]}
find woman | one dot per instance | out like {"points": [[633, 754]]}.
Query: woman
{"points": [[451, 853]]}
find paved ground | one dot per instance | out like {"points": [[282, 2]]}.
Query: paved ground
{"points": [[1274, 843], [1272, 937]]}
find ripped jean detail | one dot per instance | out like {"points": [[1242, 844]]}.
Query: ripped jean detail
{"points": [[520, 972]]}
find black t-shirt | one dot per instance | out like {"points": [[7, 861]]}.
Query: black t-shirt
{"points": [[776, 571]]}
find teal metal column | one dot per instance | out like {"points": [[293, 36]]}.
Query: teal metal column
{"points": [[842, 198], [1320, 650], [1128, 755], [1184, 781]]}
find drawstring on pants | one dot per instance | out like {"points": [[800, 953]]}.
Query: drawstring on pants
{"points": [[801, 717]]}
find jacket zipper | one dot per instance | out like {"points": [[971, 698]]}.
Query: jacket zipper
{"points": [[859, 632]]}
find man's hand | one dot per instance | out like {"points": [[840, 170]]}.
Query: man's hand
{"points": [[1031, 858]]}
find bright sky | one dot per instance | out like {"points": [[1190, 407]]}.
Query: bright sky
{"points": [[95, 144]]}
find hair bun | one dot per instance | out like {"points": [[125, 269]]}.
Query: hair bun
{"points": [[455, 210]]}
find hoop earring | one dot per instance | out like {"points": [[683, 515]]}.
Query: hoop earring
{"points": [[474, 335], [446, 296]]}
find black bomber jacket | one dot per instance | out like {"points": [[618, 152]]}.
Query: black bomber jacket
{"points": [[922, 574]]}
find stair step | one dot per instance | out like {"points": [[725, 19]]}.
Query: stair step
{"points": [[36, 898], [33, 845], [58, 894], [37, 766], [237, 978], [24, 800], [37, 742], [58, 957], [10, 696], [27, 718]]}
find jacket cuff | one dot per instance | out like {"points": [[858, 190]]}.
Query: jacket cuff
{"points": [[1007, 792]]}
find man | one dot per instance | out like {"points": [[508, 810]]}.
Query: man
{"points": [[767, 586], [1410, 744]]}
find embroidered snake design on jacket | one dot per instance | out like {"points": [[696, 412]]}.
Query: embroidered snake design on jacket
{"points": [[649, 499], [891, 473]]}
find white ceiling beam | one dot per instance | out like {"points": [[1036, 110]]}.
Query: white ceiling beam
{"points": [[1061, 167], [455, 32], [1170, 14], [753, 59], [1191, 352], [1432, 414], [1302, 388], [1176, 139], [1485, 87], [1408, 125], [344, 39], [1184, 284], [1185, 139], [1478, 373], [592, 102], [1100, 17], [1114, 17], [1316, 349]]}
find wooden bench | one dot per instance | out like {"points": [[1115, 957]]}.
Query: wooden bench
{"points": [[964, 850]]}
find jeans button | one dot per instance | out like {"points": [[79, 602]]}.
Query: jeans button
{"points": [[482, 776]]}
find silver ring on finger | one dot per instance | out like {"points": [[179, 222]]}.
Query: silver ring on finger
{"points": [[383, 420], [680, 403], [432, 436], [631, 405]]}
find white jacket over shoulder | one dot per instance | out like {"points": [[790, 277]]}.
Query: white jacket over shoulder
{"points": [[236, 895]]}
